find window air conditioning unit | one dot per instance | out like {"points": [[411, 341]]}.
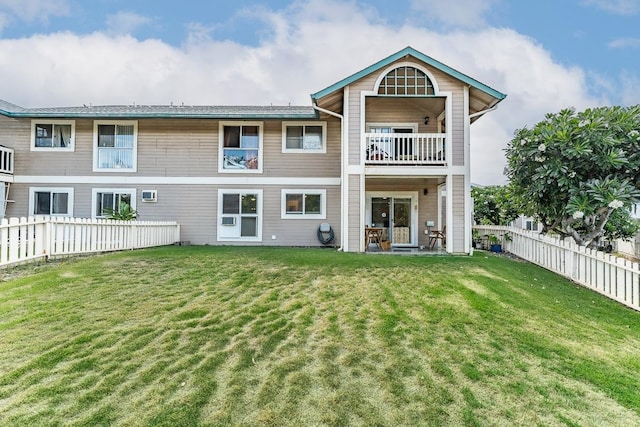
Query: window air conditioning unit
{"points": [[149, 196]]}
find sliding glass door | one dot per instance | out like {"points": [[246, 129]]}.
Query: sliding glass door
{"points": [[393, 212]]}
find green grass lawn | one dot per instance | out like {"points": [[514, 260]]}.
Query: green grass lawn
{"points": [[184, 336]]}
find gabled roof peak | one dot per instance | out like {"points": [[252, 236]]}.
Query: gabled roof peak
{"points": [[409, 51]]}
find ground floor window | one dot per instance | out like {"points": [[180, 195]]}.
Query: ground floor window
{"points": [[306, 204], [240, 215], [51, 201], [531, 225], [107, 200]]}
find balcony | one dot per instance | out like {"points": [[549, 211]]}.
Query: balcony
{"points": [[6, 161], [405, 149]]}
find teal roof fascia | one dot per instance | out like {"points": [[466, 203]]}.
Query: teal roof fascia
{"points": [[118, 112], [159, 116], [422, 57]]}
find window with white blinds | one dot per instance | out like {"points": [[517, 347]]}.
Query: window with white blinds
{"points": [[115, 146]]}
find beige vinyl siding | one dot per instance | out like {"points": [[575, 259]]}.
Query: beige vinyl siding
{"points": [[457, 133], [402, 110], [459, 209], [191, 148], [183, 148], [195, 208], [354, 129], [197, 213], [354, 213], [324, 165], [27, 162], [177, 147], [173, 147], [298, 232], [19, 194], [77, 162], [365, 84], [447, 83], [14, 132], [398, 110]]}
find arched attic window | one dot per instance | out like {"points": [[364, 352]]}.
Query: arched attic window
{"points": [[406, 81]]}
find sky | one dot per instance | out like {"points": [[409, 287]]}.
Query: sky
{"points": [[545, 54]]}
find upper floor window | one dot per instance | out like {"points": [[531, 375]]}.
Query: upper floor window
{"points": [[52, 135], [240, 147], [406, 81], [307, 137], [51, 201], [108, 200], [115, 146]]}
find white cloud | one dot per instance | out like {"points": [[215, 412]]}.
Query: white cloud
{"points": [[630, 88], [624, 43], [35, 10], [617, 7], [198, 33], [458, 13], [123, 22], [4, 21], [315, 45]]}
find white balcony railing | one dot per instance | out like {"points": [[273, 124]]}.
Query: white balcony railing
{"points": [[405, 149], [6, 160]]}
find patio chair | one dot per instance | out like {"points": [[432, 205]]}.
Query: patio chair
{"points": [[436, 235]]}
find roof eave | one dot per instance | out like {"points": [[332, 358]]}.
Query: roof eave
{"points": [[158, 116], [418, 55]]}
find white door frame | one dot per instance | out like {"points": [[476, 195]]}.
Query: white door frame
{"points": [[413, 195]]}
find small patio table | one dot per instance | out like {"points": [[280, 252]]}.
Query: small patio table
{"points": [[372, 235]]}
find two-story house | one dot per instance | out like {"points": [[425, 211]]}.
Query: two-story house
{"points": [[387, 147]]}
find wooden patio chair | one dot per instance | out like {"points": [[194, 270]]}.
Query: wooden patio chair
{"points": [[438, 235]]}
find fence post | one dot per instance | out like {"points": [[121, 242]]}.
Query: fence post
{"points": [[133, 238], [4, 242], [14, 239]]}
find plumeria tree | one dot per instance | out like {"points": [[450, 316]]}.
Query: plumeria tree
{"points": [[573, 170], [493, 205]]}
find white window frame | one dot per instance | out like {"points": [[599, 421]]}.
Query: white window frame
{"points": [[32, 201], [321, 150], [72, 141], [323, 204], [221, 147], [392, 126], [134, 165], [237, 223], [94, 198]]}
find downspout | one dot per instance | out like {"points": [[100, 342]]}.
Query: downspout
{"points": [[342, 189]]}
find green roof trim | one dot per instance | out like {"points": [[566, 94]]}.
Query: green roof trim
{"points": [[163, 112], [418, 55]]}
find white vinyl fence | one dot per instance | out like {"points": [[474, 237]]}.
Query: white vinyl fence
{"points": [[612, 276], [33, 238]]}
